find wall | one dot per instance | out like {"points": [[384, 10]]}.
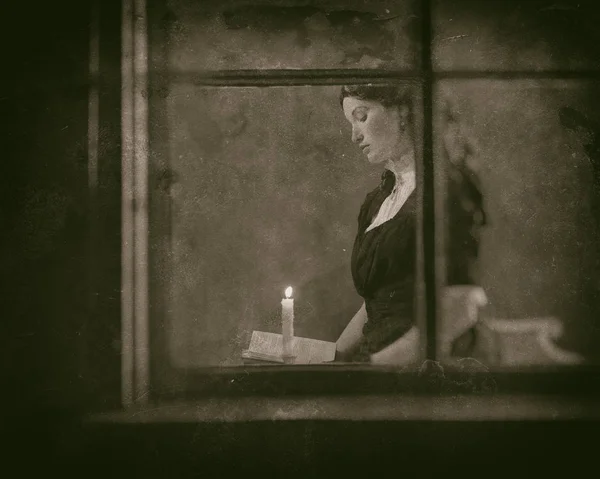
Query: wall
{"points": [[58, 295], [43, 204], [267, 191], [249, 34]]}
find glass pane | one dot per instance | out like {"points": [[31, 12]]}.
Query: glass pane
{"points": [[265, 192], [520, 168], [260, 34], [515, 35]]}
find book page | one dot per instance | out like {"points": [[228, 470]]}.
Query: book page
{"points": [[312, 351], [265, 346], [269, 347]]}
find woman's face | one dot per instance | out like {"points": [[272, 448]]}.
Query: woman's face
{"points": [[376, 129]]}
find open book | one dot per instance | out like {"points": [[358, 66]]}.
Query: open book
{"points": [[269, 347]]}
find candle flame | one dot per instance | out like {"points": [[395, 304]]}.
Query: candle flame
{"points": [[288, 292]]}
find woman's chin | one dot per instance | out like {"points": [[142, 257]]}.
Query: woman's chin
{"points": [[374, 160]]}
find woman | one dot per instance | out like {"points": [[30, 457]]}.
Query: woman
{"points": [[384, 252], [383, 256], [465, 206]]}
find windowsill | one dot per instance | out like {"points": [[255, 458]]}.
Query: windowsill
{"points": [[339, 392], [359, 408], [354, 380]]}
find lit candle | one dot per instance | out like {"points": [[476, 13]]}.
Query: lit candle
{"points": [[287, 322]]}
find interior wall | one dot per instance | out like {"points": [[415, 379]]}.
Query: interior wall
{"points": [[267, 192], [272, 34]]}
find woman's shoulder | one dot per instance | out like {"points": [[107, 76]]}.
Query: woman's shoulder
{"points": [[372, 198], [410, 205], [383, 189], [372, 195]]}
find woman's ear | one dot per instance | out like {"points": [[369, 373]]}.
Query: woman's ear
{"points": [[404, 120], [404, 113]]}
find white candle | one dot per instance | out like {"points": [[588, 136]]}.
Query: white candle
{"points": [[287, 322]]}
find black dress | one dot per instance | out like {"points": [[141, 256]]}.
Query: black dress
{"points": [[383, 270]]}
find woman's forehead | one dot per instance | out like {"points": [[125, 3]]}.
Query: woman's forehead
{"points": [[351, 103]]}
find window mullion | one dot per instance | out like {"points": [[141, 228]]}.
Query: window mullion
{"points": [[428, 241]]}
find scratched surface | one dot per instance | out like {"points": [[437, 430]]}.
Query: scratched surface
{"points": [[516, 35], [251, 34], [538, 254]]}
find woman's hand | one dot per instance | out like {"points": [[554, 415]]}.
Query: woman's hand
{"points": [[349, 339]]}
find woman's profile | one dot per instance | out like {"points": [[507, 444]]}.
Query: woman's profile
{"points": [[383, 255], [383, 258]]}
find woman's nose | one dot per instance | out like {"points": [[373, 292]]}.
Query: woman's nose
{"points": [[357, 136]]}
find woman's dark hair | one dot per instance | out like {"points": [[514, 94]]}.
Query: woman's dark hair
{"points": [[387, 95]]}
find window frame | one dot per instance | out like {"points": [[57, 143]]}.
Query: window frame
{"points": [[140, 309]]}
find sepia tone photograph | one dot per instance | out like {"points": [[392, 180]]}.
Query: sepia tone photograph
{"points": [[301, 237]]}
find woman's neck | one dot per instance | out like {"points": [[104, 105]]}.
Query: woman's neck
{"points": [[402, 165]]}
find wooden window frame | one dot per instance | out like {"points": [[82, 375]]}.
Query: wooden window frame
{"points": [[137, 85]]}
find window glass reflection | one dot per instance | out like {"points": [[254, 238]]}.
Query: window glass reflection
{"points": [[520, 180]]}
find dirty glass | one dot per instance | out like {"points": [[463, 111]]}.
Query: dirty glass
{"points": [[518, 170], [513, 35], [290, 34]]}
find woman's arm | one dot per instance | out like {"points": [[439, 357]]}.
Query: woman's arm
{"points": [[401, 352], [351, 336]]}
